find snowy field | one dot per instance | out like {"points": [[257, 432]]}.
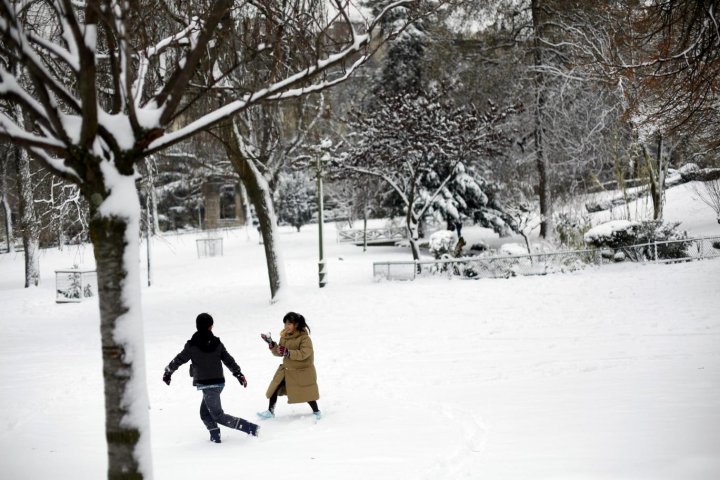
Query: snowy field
{"points": [[607, 374]]}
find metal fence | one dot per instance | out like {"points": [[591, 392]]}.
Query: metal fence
{"points": [[209, 247], [673, 250], [545, 263], [372, 235], [75, 285]]}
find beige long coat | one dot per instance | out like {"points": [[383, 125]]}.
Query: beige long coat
{"points": [[297, 369]]}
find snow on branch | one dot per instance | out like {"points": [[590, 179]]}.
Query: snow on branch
{"points": [[283, 88], [10, 129], [90, 93]]}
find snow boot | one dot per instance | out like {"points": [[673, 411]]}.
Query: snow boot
{"points": [[215, 435], [254, 430], [267, 414], [317, 415]]}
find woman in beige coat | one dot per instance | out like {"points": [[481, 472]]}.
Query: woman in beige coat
{"points": [[296, 377]]}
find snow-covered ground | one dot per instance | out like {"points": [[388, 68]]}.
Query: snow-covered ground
{"points": [[610, 373], [681, 205]]}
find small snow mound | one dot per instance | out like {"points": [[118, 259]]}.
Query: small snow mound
{"points": [[513, 249]]}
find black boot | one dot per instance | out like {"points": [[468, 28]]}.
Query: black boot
{"points": [[215, 435], [247, 427]]}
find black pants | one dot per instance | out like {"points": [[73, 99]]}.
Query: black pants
{"points": [[212, 414], [273, 400]]}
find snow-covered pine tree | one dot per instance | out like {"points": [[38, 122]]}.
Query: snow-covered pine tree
{"points": [[295, 199], [403, 64], [418, 144]]}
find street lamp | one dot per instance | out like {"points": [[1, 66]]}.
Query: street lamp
{"points": [[322, 156]]}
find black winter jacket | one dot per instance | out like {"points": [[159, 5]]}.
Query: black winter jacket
{"points": [[206, 352]]}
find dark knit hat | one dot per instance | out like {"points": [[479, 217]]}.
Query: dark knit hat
{"points": [[203, 322]]}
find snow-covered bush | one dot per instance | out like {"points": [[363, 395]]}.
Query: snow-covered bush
{"points": [[613, 234], [654, 231], [623, 234], [442, 243], [570, 228], [479, 246]]}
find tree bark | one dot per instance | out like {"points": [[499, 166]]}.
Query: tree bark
{"points": [[122, 350], [151, 200], [657, 172], [28, 219], [260, 196], [412, 227], [543, 165], [9, 236], [662, 165]]}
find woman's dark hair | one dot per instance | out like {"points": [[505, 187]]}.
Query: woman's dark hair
{"points": [[297, 320]]}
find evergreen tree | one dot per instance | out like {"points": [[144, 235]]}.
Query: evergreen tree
{"points": [[420, 144], [294, 199]]}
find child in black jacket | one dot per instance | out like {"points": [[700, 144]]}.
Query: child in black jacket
{"points": [[207, 354]]}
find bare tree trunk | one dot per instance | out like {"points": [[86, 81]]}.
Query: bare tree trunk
{"points": [[657, 173], [260, 196], [151, 201], [58, 217], [28, 219], [9, 236], [365, 219], [126, 405], [543, 165], [246, 204], [412, 227]]}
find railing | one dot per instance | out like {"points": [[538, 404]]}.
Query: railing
{"points": [[209, 247], [545, 263], [674, 250], [373, 235], [488, 267], [75, 285]]}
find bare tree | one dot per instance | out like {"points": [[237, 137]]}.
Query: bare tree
{"points": [[29, 223], [61, 210], [675, 58], [108, 85], [709, 193], [259, 143], [663, 58]]}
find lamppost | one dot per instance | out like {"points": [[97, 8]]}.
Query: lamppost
{"points": [[322, 155]]}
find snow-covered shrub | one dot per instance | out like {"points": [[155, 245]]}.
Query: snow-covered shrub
{"points": [[613, 234], [570, 228], [624, 234], [441, 243], [654, 231], [688, 169], [479, 247]]}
